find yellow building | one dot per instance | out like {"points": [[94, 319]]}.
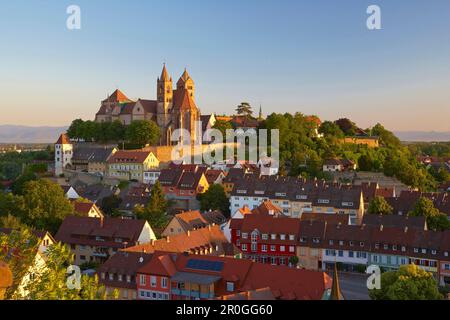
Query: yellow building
{"points": [[130, 165], [372, 142]]}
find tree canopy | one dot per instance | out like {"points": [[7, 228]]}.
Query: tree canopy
{"points": [[436, 220], [156, 210], [215, 198], [244, 109], [410, 282], [379, 205]]}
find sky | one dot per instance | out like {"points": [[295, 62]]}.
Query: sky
{"points": [[315, 57]]}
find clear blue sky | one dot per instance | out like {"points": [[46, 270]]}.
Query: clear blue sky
{"points": [[315, 57]]}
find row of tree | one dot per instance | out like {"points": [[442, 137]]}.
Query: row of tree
{"points": [[436, 220], [139, 132], [302, 153]]}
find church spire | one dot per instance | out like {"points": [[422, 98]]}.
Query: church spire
{"points": [[336, 293], [260, 117], [164, 74]]}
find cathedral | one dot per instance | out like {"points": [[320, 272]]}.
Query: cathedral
{"points": [[174, 108]]}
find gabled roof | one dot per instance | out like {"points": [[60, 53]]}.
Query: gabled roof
{"points": [[125, 156], [63, 139], [184, 77], [117, 96], [196, 240], [182, 100], [84, 230]]}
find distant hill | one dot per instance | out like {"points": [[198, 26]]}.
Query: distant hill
{"points": [[24, 134], [423, 136]]}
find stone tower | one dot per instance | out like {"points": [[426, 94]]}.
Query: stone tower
{"points": [[185, 82], [164, 97], [63, 154]]}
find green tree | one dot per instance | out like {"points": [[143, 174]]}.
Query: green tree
{"points": [[223, 126], [76, 128], [329, 128], [410, 282], [111, 204], [215, 198], [18, 185], [435, 219], [45, 205], [11, 222], [142, 132], [365, 163], [244, 109], [156, 210], [379, 205], [50, 282]]}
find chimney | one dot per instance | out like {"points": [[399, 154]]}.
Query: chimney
{"points": [[406, 229], [168, 239], [188, 233], [209, 227], [217, 247], [153, 242], [101, 222], [381, 227]]}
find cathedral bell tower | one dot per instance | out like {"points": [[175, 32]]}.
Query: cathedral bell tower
{"points": [[164, 97]]}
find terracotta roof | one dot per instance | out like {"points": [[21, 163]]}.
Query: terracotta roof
{"points": [[268, 208], [191, 220], [63, 139], [200, 239], [85, 230], [284, 282], [150, 106], [83, 207], [258, 294], [183, 101], [117, 96], [391, 220], [124, 156], [125, 264], [329, 218], [212, 175]]}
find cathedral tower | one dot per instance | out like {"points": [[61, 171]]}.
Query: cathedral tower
{"points": [[164, 97], [186, 82]]}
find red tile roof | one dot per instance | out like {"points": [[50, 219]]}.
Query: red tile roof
{"points": [[63, 139], [124, 156]]}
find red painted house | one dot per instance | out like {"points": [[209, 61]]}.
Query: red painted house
{"points": [[171, 276], [266, 238]]}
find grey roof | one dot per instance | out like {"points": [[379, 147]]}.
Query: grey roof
{"points": [[195, 278], [92, 154]]}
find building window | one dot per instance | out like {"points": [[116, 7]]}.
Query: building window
{"points": [[142, 279], [282, 248], [244, 247], [244, 235], [350, 254], [273, 236], [273, 260], [341, 253], [265, 236], [164, 282], [291, 249], [254, 236], [254, 247], [120, 277], [273, 248], [111, 276], [331, 242], [291, 237], [282, 236], [153, 281], [264, 248], [341, 243], [230, 286]]}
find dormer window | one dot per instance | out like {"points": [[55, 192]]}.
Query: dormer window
{"points": [[361, 244], [273, 236], [351, 243], [386, 247], [341, 243], [403, 248], [265, 236], [120, 277], [433, 252], [282, 237], [331, 242], [111, 276], [424, 250], [244, 235], [291, 237], [377, 246], [303, 239], [316, 240], [416, 250], [446, 253], [394, 247]]}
